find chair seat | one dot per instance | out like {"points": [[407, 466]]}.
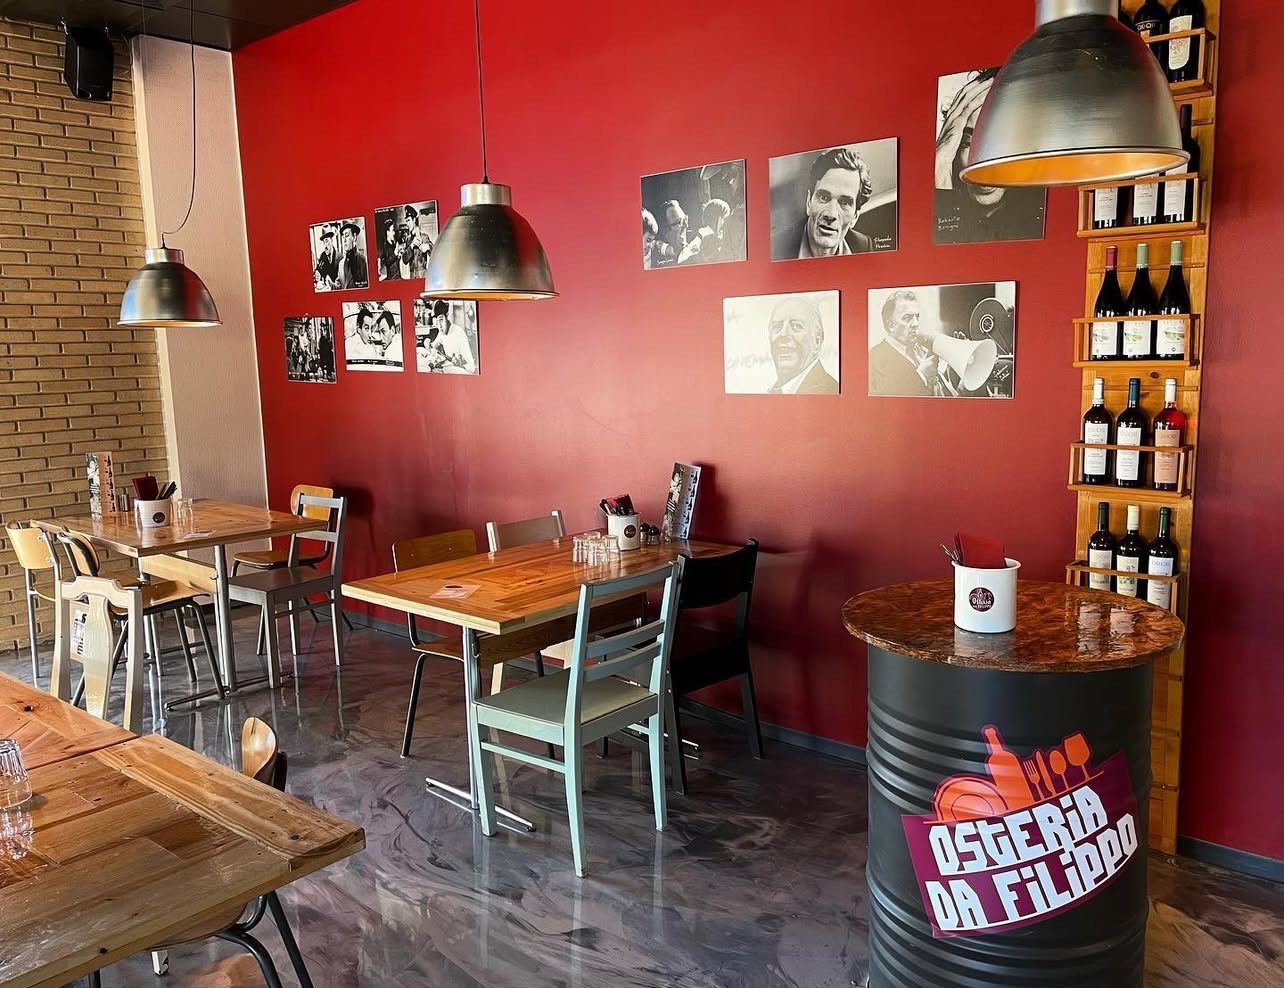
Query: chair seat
{"points": [[201, 931], [540, 704], [704, 656], [272, 559], [450, 647], [296, 581]]}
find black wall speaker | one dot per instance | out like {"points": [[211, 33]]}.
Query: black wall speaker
{"points": [[87, 65]]}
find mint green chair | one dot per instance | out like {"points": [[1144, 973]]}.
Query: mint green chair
{"points": [[587, 700]]}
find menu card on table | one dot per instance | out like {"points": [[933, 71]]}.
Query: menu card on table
{"points": [[680, 504]]}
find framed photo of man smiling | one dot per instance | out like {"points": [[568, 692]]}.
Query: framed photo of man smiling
{"points": [[781, 344], [833, 201]]}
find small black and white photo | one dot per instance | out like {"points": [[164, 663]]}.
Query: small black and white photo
{"points": [[694, 216], [445, 336], [309, 349], [943, 341], [372, 336], [835, 200], [339, 255], [967, 213], [404, 238], [781, 344]]}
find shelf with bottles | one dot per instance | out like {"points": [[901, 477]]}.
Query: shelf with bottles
{"points": [[1145, 231], [1112, 492], [1203, 50], [1185, 460], [1080, 572], [1192, 343]]}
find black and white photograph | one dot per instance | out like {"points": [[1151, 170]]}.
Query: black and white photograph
{"points": [[943, 341], [834, 200], [694, 216], [372, 336], [309, 349], [339, 255], [781, 344], [445, 336], [404, 236], [966, 213]]}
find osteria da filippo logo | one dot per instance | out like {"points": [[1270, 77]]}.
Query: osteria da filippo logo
{"points": [[1036, 838]]}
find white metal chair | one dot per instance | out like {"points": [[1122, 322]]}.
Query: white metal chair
{"points": [[587, 701], [292, 586], [31, 548]]}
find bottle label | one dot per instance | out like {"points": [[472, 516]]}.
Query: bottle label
{"points": [[1105, 203], [1094, 460], [1136, 335], [1157, 591], [1100, 559], [1128, 462], [1166, 463], [1175, 196], [1179, 48], [1127, 585], [1145, 201], [1105, 339], [1170, 338]]}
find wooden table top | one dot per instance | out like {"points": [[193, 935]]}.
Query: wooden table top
{"points": [[49, 730], [214, 523], [138, 841], [513, 588]]}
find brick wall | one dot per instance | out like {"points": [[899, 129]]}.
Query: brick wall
{"points": [[71, 235]]}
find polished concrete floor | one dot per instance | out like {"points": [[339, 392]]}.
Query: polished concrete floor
{"points": [[757, 882]]}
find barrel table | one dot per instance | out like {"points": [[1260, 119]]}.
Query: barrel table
{"points": [[1009, 778]]}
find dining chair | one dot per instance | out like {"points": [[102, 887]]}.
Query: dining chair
{"points": [[703, 656], [262, 760], [506, 535], [587, 701], [277, 558], [34, 556], [293, 585]]}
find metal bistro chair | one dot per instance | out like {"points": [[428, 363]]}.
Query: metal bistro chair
{"points": [[34, 556], [585, 702], [294, 585], [262, 760]]}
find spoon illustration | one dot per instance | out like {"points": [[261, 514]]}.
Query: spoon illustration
{"points": [[1058, 764]]}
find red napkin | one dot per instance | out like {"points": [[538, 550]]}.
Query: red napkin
{"points": [[145, 488], [979, 552]]}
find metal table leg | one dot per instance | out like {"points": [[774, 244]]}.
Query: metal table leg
{"points": [[223, 619]]}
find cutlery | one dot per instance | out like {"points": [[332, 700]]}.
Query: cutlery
{"points": [[1058, 763], [1043, 770], [1032, 774]]}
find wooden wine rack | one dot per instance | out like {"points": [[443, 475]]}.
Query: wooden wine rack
{"points": [[1166, 716]]}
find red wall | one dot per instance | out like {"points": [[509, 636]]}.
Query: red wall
{"points": [[600, 390]]}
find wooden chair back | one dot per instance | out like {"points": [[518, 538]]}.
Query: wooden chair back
{"points": [[85, 625], [81, 554], [716, 580], [259, 751], [335, 512], [429, 549], [310, 510], [30, 546], [505, 535]]}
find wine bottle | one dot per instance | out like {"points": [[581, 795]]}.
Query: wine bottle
{"points": [[1101, 550], [1096, 429], [1174, 300], [1139, 334], [1151, 19], [1131, 555], [1169, 427], [1130, 430], [1179, 197], [1182, 60], [1107, 334], [1145, 203], [1162, 561], [1108, 208]]}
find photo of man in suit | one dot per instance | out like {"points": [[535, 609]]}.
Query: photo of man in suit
{"points": [[796, 334], [798, 353]]}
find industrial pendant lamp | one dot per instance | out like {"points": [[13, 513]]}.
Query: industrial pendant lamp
{"points": [[166, 292], [1081, 100], [487, 250]]}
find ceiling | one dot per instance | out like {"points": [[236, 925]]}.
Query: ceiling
{"points": [[223, 24]]}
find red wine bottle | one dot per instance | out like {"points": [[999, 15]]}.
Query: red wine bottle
{"points": [[1131, 556], [1182, 60], [1107, 333], [1169, 428], [1096, 429], [1174, 300], [1130, 430], [1139, 334], [1151, 19], [1162, 561], [1179, 197], [1101, 550]]}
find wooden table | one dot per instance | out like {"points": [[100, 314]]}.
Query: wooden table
{"points": [[49, 730], [215, 525], [121, 847], [522, 599]]}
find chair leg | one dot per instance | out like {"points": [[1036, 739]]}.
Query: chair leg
{"points": [[31, 632], [259, 952], [273, 645], [414, 702], [186, 645], [261, 645], [484, 766], [575, 802], [335, 611], [677, 764], [209, 650], [346, 623], [95, 980], [160, 963], [655, 727], [294, 627], [750, 702], [539, 671], [287, 938], [497, 678]]}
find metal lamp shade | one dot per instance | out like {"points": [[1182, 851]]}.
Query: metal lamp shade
{"points": [[1081, 100], [167, 293], [488, 251]]}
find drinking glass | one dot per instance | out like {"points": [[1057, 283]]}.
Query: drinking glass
{"points": [[184, 513], [612, 554], [579, 549], [15, 786]]}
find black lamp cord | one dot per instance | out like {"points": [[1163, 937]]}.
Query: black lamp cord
{"points": [[191, 40], [481, 93]]}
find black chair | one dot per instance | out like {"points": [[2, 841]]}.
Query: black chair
{"points": [[703, 656]]}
